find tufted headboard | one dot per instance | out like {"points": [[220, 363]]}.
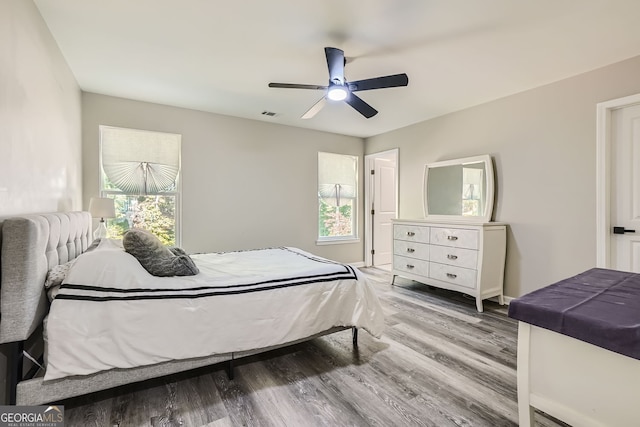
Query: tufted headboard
{"points": [[29, 246]]}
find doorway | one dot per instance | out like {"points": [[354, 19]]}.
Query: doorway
{"points": [[618, 179], [381, 206]]}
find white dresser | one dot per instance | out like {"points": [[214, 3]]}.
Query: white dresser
{"points": [[464, 257]]}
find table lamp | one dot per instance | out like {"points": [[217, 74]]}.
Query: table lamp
{"points": [[101, 207]]}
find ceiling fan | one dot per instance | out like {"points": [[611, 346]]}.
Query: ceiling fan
{"points": [[341, 90]]}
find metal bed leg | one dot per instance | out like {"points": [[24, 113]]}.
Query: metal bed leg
{"points": [[15, 369], [230, 368], [34, 369], [393, 280], [354, 333]]}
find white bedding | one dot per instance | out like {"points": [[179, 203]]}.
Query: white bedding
{"points": [[110, 313]]}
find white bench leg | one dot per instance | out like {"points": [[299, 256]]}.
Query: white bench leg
{"points": [[525, 410]]}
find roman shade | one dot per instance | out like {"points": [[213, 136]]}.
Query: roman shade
{"points": [[140, 162], [337, 177]]}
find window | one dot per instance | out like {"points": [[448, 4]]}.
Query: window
{"points": [[140, 170], [472, 179], [337, 197]]}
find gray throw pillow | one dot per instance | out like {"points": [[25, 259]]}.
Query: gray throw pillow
{"points": [[155, 257], [177, 251]]}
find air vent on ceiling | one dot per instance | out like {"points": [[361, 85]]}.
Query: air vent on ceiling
{"points": [[268, 113]]}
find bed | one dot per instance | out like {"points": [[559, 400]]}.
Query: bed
{"points": [[111, 323], [579, 350]]}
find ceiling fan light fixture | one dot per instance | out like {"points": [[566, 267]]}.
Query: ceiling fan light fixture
{"points": [[341, 90], [337, 93]]}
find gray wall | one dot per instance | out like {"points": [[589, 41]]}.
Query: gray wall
{"points": [[40, 111], [245, 183], [543, 142], [40, 149]]}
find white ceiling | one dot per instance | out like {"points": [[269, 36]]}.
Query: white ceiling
{"points": [[219, 56]]}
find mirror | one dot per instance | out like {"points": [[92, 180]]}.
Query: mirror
{"points": [[460, 189]]}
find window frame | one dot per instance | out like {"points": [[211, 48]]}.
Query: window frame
{"points": [[333, 240], [177, 193]]}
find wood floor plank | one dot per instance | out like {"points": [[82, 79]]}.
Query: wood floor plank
{"points": [[239, 402], [94, 414], [439, 363], [200, 401], [472, 364], [324, 403], [385, 404], [222, 422], [465, 335], [411, 299], [275, 397], [450, 377], [408, 375]]}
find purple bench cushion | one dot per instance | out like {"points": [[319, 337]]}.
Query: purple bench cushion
{"points": [[599, 306]]}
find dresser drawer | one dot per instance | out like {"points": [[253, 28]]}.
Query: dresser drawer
{"points": [[455, 237], [411, 265], [411, 233], [456, 275], [467, 258], [411, 249]]}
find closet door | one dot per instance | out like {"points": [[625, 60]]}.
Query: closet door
{"points": [[625, 189]]}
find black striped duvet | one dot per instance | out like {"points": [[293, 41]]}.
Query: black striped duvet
{"points": [[110, 313]]}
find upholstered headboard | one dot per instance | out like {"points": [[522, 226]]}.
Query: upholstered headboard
{"points": [[29, 246]]}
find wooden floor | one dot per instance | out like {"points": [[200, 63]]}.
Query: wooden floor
{"points": [[439, 363]]}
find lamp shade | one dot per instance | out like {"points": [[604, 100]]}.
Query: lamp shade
{"points": [[102, 207]]}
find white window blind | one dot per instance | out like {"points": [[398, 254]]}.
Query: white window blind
{"points": [[337, 178], [140, 162]]}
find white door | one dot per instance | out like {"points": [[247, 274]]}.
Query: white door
{"points": [[625, 189], [383, 206]]}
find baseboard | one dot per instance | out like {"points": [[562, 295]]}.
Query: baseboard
{"points": [[357, 264]]}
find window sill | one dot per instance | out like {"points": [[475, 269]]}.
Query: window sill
{"points": [[337, 241]]}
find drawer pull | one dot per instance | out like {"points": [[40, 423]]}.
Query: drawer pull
{"points": [[452, 256], [409, 266], [451, 275], [411, 250], [452, 237], [410, 233]]}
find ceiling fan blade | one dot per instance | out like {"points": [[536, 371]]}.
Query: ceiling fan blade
{"points": [[315, 108], [379, 82], [296, 86], [362, 107], [335, 62]]}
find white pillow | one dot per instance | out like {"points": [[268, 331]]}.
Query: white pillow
{"points": [[109, 267], [57, 274], [55, 277]]}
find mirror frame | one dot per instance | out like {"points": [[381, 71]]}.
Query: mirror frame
{"points": [[490, 182]]}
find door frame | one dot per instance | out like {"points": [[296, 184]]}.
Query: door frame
{"points": [[604, 111], [368, 188]]}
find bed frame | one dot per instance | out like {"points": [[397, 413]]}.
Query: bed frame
{"points": [[29, 246], [574, 381]]}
